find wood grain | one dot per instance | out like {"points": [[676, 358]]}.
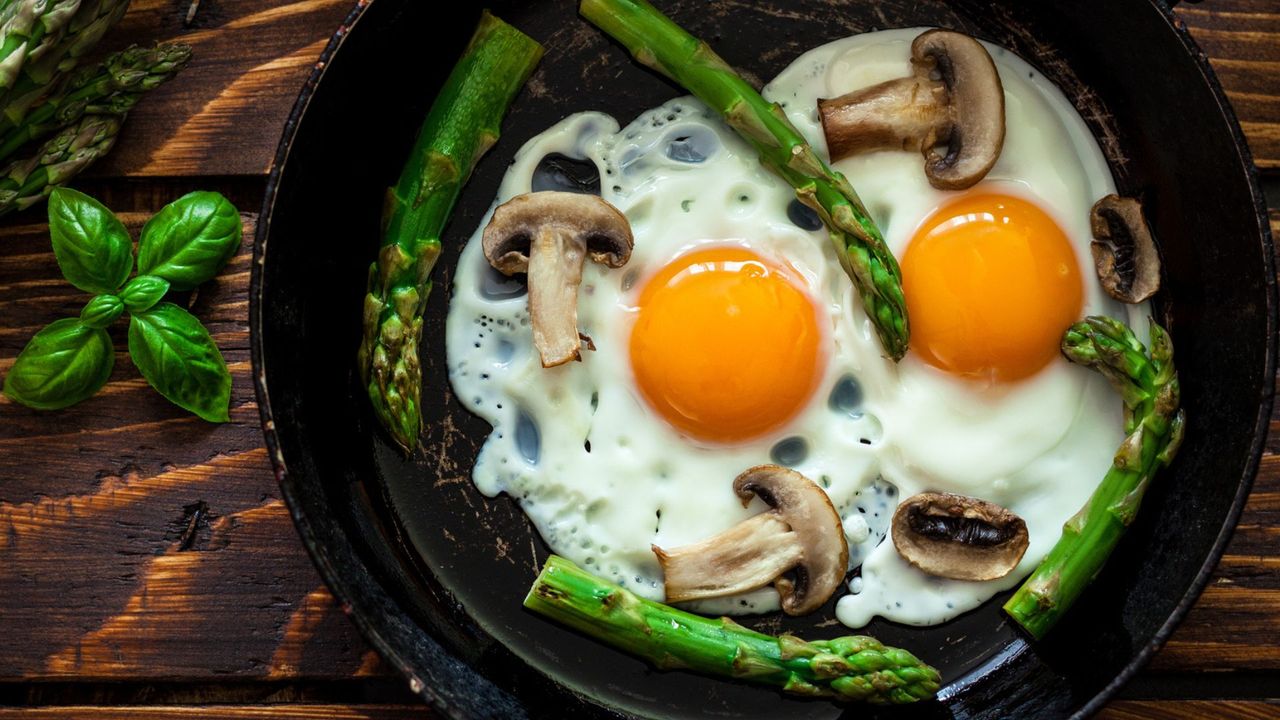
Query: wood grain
{"points": [[96, 579], [224, 113], [1188, 710], [1242, 41], [223, 712]]}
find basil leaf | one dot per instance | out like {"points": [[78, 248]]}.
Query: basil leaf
{"points": [[63, 364], [92, 246], [101, 311], [190, 239], [176, 355], [143, 292]]}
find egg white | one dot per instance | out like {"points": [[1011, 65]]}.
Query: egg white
{"points": [[603, 477]]}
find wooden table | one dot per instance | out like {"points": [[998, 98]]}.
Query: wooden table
{"points": [[147, 564]]}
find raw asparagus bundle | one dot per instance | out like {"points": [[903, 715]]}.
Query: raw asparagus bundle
{"points": [[657, 42], [28, 28], [76, 147], [112, 87], [853, 668], [461, 126], [58, 54], [40, 42], [1148, 385]]}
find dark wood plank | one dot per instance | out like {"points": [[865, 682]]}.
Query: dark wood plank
{"points": [[1189, 710], [223, 114], [96, 580], [222, 712], [1242, 40]]}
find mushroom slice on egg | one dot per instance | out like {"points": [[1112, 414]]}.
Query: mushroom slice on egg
{"points": [[549, 235], [1123, 250], [801, 533], [954, 97], [958, 537]]}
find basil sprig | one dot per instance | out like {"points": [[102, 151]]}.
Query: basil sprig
{"points": [[185, 244]]}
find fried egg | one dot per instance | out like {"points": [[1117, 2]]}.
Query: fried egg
{"points": [[733, 338]]}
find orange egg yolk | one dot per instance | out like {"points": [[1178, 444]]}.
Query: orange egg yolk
{"points": [[991, 284], [725, 344]]}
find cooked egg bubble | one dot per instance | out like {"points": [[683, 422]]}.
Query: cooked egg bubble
{"points": [[733, 338]]}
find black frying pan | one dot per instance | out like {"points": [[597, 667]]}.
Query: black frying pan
{"points": [[433, 573]]}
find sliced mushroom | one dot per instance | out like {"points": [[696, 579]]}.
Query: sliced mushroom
{"points": [[801, 533], [953, 98], [550, 235], [1123, 250], [958, 537]]}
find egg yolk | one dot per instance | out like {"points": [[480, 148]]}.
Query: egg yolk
{"points": [[725, 344], [991, 284]]}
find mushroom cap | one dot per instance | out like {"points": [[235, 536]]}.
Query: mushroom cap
{"points": [[1123, 250], [958, 537], [602, 227], [806, 508], [976, 106]]}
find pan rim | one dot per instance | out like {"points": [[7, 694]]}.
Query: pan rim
{"points": [[373, 627]]}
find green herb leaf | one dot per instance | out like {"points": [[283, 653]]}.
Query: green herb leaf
{"points": [[190, 239], [143, 292], [64, 363], [176, 355], [92, 246], [101, 311]]}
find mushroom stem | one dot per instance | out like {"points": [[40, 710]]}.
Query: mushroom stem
{"points": [[549, 235], [904, 114], [556, 255], [953, 97], [747, 556], [801, 533]]}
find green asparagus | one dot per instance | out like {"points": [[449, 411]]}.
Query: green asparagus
{"points": [[26, 182], [113, 87], [26, 26], [461, 126], [1148, 386], [59, 53], [852, 668], [657, 42]]}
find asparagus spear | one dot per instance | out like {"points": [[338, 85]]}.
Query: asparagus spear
{"points": [[24, 27], [461, 126], [1154, 423], [26, 182], [853, 668], [59, 53], [113, 87], [657, 42]]}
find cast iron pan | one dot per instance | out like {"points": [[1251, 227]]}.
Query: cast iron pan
{"points": [[433, 573]]}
